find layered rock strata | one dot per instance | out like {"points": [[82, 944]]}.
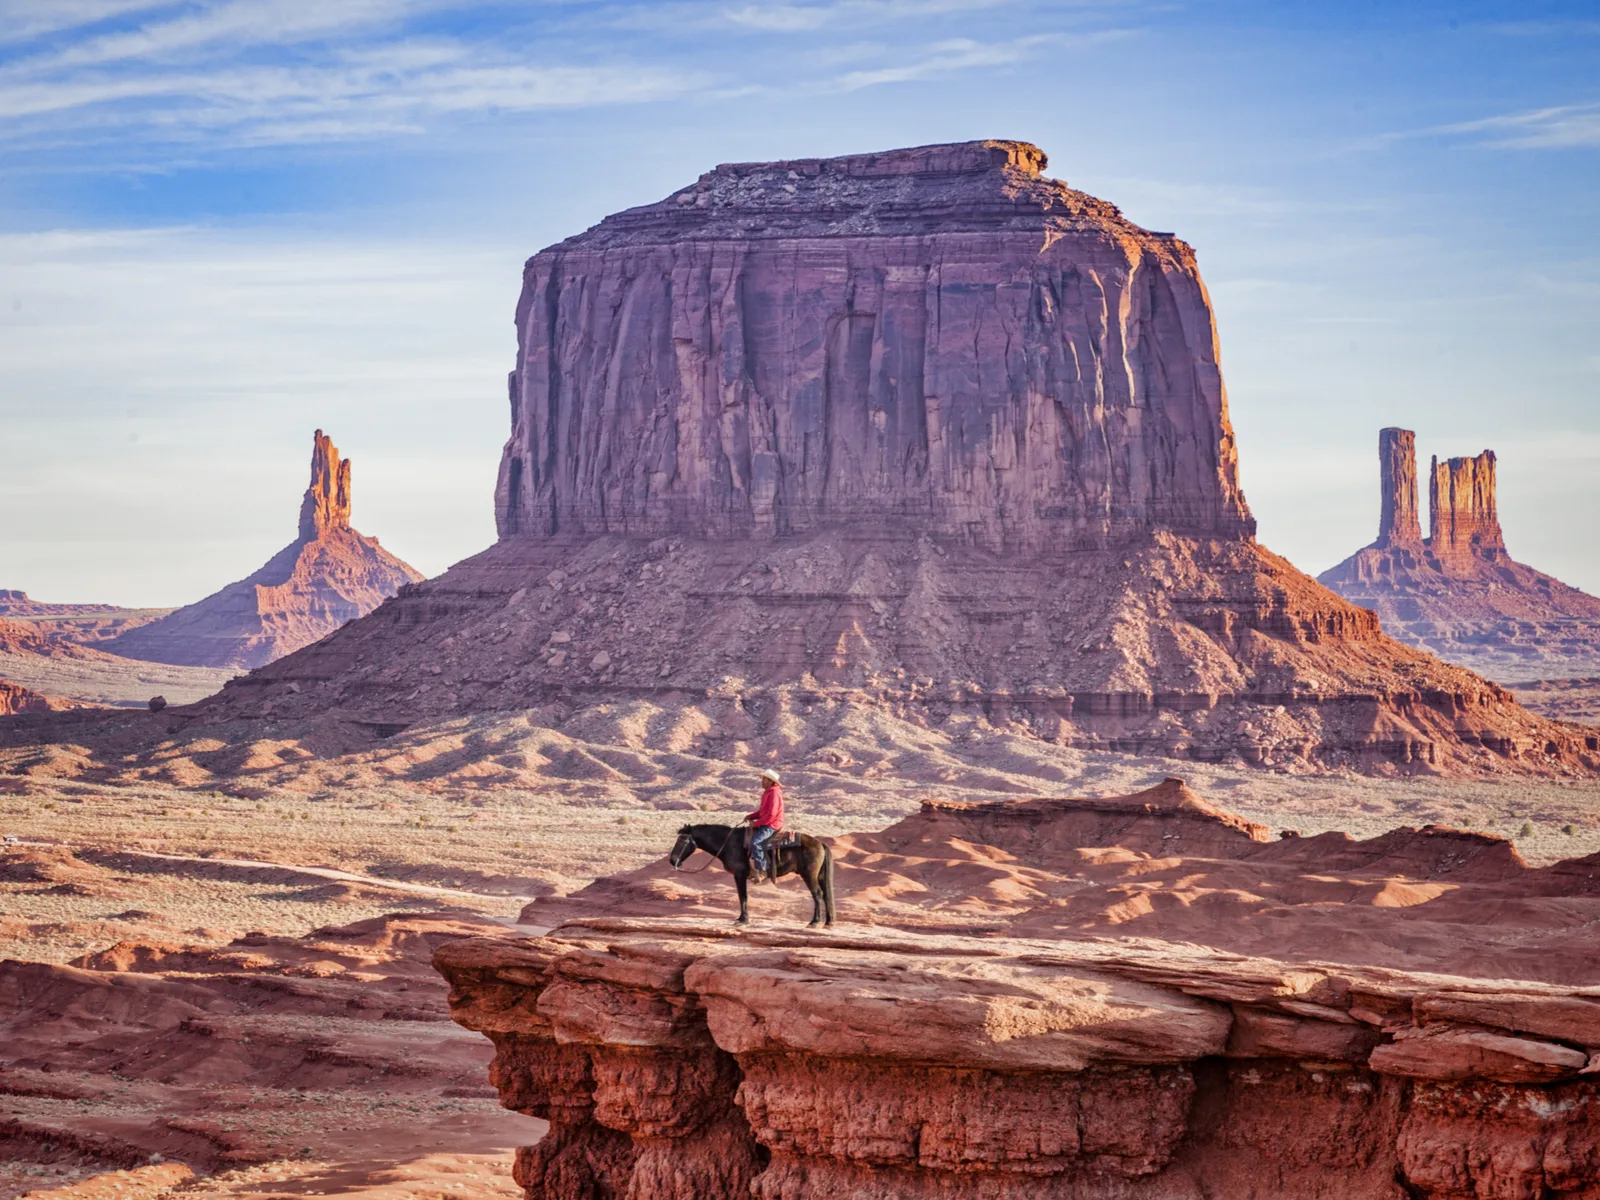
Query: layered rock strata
{"points": [[923, 430], [989, 1055], [328, 575], [1459, 593], [76, 624]]}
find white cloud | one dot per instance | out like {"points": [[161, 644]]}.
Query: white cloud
{"points": [[1564, 127], [964, 54], [254, 72], [21, 20], [809, 18]]}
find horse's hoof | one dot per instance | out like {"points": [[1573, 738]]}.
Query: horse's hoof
{"points": [[742, 921]]}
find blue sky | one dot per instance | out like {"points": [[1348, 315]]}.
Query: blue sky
{"points": [[224, 224]]}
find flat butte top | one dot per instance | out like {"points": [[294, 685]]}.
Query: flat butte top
{"points": [[959, 187]]}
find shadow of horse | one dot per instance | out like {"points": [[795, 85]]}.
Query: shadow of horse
{"points": [[811, 859]]}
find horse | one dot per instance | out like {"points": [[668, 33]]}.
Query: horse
{"points": [[812, 860]]}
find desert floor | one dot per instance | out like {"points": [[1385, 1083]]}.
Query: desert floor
{"points": [[134, 870]]}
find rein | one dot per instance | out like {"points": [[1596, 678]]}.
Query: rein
{"points": [[716, 858]]}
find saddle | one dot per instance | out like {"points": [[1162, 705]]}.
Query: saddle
{"points": [[787, 839]]}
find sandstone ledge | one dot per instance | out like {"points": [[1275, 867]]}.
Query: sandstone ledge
{"points": [[676, 1058]]}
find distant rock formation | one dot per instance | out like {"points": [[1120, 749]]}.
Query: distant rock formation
{"points": [[1463, 523], [1459, 594], [78, 624], [921, 431], [1399, 525], [329, 575]]}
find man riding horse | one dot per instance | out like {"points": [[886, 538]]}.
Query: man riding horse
{"points": [[767, 821], [765, 855]]}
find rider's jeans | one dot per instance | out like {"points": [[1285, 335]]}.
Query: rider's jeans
{"points": [[758, 845]]}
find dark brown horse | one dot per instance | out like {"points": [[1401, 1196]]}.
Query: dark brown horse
{"points": [[812, 860]]}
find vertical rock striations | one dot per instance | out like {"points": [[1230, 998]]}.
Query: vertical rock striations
{"points": [[329, 575], [1459, 594], [326, 506], [1463, 525], [938, 340], [1398, 524]]}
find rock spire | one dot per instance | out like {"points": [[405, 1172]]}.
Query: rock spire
{"points": [[1460, 594], [328, 575], [1397, 458], [1463, 523], [327, 501]]}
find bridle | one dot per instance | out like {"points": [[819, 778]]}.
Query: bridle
{"points": [[694, 845]]}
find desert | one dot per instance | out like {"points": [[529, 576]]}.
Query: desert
{"points": [[1163, 870]]}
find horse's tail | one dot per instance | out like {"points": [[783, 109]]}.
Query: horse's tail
{"points": [[827, 879]]}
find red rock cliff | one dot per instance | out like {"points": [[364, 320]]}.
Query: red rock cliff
{"points": [[1141, 997], [938, 339], [1397, 455], [1463, 522]]}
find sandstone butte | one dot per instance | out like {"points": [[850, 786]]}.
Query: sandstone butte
{"points": [[1308, 1018], [923, 430], [328, 575], [1457, 592]]}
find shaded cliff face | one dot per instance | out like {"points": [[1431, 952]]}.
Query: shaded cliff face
{"points": [[1460, 594], [676, 1059], [328, 576], [937, 339]]}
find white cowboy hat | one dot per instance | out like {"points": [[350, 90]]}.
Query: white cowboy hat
{"points": [[769, 773]]}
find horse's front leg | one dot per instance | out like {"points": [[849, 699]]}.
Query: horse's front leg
{"points": [[741, 881]]}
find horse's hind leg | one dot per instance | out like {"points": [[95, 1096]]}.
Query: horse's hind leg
{"points": [[811, 878]]}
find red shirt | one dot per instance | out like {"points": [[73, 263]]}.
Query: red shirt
{"points": [[771, 810]]}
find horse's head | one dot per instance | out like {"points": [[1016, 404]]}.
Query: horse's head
{"points": [[683, 847]]}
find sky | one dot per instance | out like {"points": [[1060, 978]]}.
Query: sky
{"points": [[227, 223]]}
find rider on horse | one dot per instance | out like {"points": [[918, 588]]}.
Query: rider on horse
{"points": [[768, 821]]}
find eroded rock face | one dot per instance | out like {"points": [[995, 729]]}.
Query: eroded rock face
{"points": [[939, 340], [328, 576], [1398, 524], [326, 506], [1463, 521], [828, 1102], [1459, 593], [1052, 1055]]}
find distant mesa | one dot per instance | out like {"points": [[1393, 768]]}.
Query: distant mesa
{"points": [[72, 624], [328, 575], [1458, 593]]}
